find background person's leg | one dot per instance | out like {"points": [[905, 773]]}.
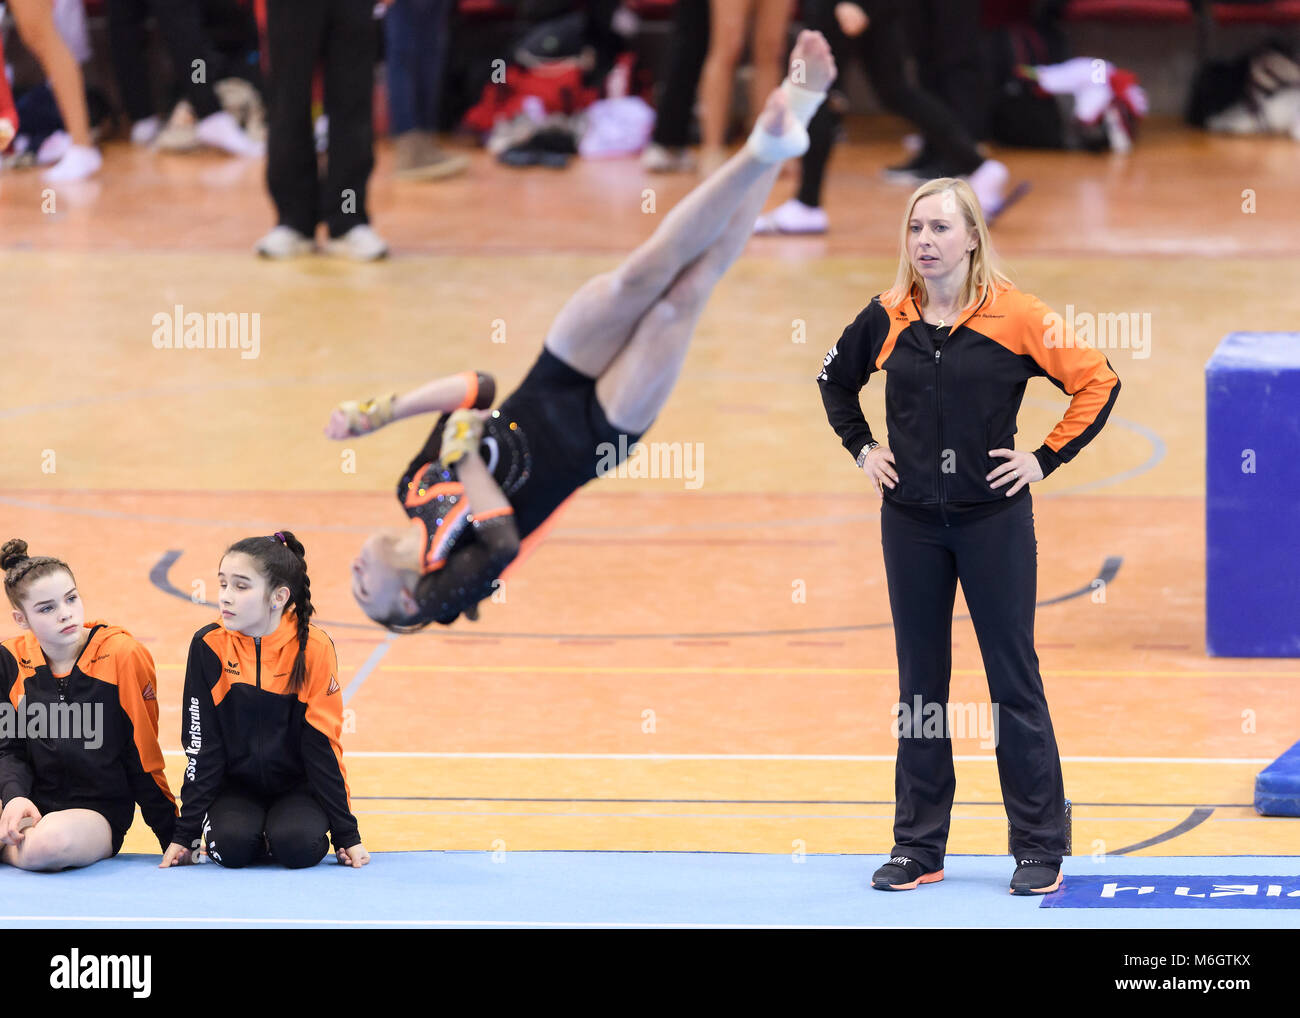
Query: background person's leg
{"points": [[297, 829], [126, 46], [770, 35], [65, 838], [884, 53], [35, 22], [681, 78], [293, 32], [349, 87], [728, 26]]}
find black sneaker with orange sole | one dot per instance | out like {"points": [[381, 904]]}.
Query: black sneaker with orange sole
{"points": [[1033, 876], [902, 873]]}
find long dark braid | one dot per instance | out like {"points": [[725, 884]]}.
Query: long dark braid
{"points": [[282, 559]]}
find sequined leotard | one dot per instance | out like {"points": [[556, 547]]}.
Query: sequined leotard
{"points": [[542, 444]]}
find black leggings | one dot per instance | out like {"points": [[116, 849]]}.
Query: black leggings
{"points": [[996, 559], [181, 25], [683, 63], [883, 48], [241, 827]]}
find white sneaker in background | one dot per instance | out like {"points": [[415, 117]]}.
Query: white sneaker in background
{"points": [[793, 216], [989, 182], [178, 134], [221, 130], [144, 132], [360, 244], [284, 242], [78, 163], [53, 148], [658, 159]]}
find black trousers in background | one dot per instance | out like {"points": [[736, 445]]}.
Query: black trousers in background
{"points": [[342, 35], [996, 560], [181, 25], [295, 827], [688, 47], [883, 49]]}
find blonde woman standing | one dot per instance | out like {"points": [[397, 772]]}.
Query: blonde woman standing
{"points": [[958, 343]]}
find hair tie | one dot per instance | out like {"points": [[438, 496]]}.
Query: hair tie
{"points": [[279, 536]]}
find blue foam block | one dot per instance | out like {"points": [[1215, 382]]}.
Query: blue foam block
{"points": [[1252, 498], [1277, 788]]}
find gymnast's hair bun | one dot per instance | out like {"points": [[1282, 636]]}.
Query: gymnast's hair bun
{"points": [[13, 552]]}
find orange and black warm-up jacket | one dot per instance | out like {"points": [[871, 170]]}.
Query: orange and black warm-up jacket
{"points": [[946, 407], [58, 768], [242, 727]]}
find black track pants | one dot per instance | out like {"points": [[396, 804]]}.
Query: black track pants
{"points": [[294, 825], [996, 560]]}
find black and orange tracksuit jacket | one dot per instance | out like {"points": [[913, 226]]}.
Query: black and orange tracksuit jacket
{"points": [[242, 727], [56, 771], [946, 406]]}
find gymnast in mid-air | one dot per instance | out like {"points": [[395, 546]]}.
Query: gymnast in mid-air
{"points": [[485, 479]]}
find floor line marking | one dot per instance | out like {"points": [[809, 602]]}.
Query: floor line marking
{"points": [[820, 757]]}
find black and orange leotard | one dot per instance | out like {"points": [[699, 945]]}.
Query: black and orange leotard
{"points": [[541, 445]]}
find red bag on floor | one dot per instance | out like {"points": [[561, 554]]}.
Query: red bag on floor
{"points": [[7, 110], [559, 89]]}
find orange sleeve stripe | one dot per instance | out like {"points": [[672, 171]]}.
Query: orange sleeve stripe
{"points": [[440, 547], [414, 499], [136, 674], [492, 514], [1033, 329], [217, 641], [471, 383], [896, 327]]}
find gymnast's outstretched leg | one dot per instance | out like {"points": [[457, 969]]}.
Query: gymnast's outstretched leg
{"points": [[598, 321], [636, 384], [698, 238]]}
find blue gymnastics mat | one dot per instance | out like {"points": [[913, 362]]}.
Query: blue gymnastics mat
{"points": [[1277, 787], [583, 889]]}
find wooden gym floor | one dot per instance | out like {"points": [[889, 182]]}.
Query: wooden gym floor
{"points": [[650, 683]]}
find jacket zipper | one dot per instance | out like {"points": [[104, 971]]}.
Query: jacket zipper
{"points": [[938, 463], [261, 756], [64, 685]]}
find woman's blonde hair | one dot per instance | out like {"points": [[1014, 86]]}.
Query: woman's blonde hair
{"points": [[983, 278]]}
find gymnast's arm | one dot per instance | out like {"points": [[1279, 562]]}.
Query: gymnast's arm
{"points": [[471, 573], [482, 493], [465, 390]]}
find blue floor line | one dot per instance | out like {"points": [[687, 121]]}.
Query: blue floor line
{"points": [[560, 888]]}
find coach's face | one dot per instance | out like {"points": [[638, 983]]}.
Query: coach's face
{"points": [[939, 242]]}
